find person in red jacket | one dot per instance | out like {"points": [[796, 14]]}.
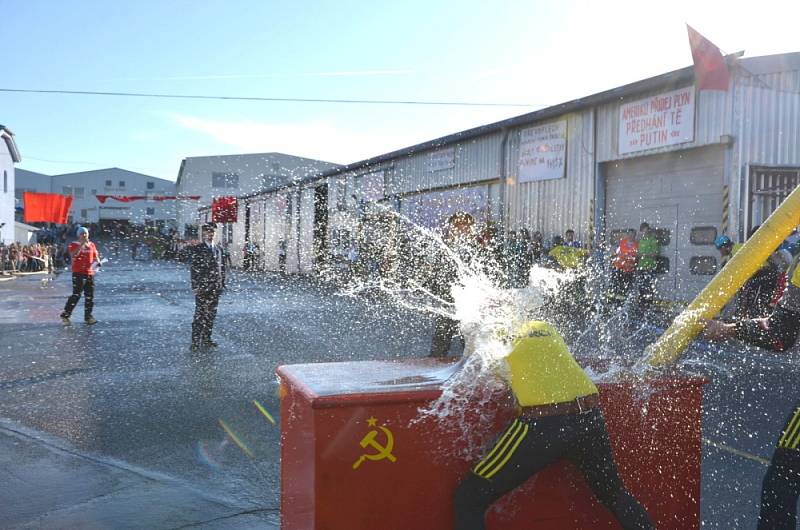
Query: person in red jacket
{"points": [[84, 256], [623, 266]]}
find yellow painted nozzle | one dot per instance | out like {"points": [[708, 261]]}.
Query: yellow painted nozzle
{"points": [[668, 348]]}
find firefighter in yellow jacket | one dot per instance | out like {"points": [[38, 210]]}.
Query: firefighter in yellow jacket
{"points": [[559, 418]]}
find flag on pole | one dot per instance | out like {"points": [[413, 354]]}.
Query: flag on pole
{"points": [[46, 207], [224, 210], [710, 69]]}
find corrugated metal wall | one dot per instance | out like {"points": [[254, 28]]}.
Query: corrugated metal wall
{"points": [[306, 242], [766, 128], [711, 121], [769, 127], [475, 160], [553, 206], [236, 245]]}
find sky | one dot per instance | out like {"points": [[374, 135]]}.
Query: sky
{"points": [[536, 53]]}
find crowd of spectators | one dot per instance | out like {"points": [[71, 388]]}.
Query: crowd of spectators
{"points": [[37, 257]]}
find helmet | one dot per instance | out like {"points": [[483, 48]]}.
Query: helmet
{"points": [[721, 241]]}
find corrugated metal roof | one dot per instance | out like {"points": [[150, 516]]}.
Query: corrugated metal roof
{"points": [[669, 80]]}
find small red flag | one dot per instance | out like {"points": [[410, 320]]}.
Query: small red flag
{"points": [[46, 207], [223, 210], [710, 69]]}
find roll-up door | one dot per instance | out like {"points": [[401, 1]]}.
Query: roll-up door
{"points": [[677, 193]]}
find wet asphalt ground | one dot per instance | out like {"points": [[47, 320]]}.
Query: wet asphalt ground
{"points": [[128, 391]]}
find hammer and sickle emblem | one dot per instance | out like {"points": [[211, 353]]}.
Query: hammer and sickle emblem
{"points": [[369, 440]]}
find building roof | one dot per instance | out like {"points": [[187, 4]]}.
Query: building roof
{"points": [[19, 172], [8, 138], [670, 80], [23, 226], [265, 155], [114, 169]]}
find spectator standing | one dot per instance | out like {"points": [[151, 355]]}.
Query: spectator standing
{"points": [[460, 239], [623, 265], [537, 247], [526, 256], [567, 256], [646, 266], [569, 239]]}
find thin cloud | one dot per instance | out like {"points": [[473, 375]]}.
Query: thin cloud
{"points": [[316, 139]]}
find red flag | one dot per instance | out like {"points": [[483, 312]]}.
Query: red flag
{"points": [[223, 210], [46, 207], [710, 69]]}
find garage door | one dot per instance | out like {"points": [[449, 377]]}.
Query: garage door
{"points": [[679, 193]]}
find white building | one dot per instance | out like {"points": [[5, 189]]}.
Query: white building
{"points": [[238, 175], [692, 163], [93, 195], [9, 155]]}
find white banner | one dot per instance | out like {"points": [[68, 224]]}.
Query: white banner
{"points": [[657, 121], [442, 159], [542, 151]]}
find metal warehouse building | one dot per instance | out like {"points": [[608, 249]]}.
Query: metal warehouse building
{"points": [[693, 163]]}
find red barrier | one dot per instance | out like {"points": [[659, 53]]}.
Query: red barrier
{"points": [[356, 456]]}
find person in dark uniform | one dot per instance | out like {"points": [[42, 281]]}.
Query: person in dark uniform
{"points": [[559, 419], [208, 282], [777, 332]]}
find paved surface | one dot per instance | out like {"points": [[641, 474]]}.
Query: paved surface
{"points": [[118, 426], [124, 409]]}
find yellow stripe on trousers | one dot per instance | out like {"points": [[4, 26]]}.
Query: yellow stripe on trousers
{"points": [[792, 441], [509, 453], [499, 447], [790, 431]]}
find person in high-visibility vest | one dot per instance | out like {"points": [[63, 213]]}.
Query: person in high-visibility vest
{"points": [[647, 265], [567, 256], [558, 418], [623, 265], [777, 332]]}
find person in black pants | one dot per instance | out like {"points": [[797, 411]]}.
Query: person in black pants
{"points": [[84, 260], [208, 282], [778, 332]]}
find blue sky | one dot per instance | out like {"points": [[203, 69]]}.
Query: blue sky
{"points": [[538, 53]]}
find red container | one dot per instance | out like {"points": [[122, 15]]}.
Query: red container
{"points": [[355, 454]]}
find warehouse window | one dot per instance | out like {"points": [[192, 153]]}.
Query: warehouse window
{"points": [[78, 193], [151, 211], [94, 191], [84, 214], [121, 183], [151, 185], [663, 236], [67, 190], [703, 265], [224, 180], [662, 264], [108, 184], [703, 235]]}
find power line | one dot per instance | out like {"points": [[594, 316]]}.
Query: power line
{"points": [[269, 99]]}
